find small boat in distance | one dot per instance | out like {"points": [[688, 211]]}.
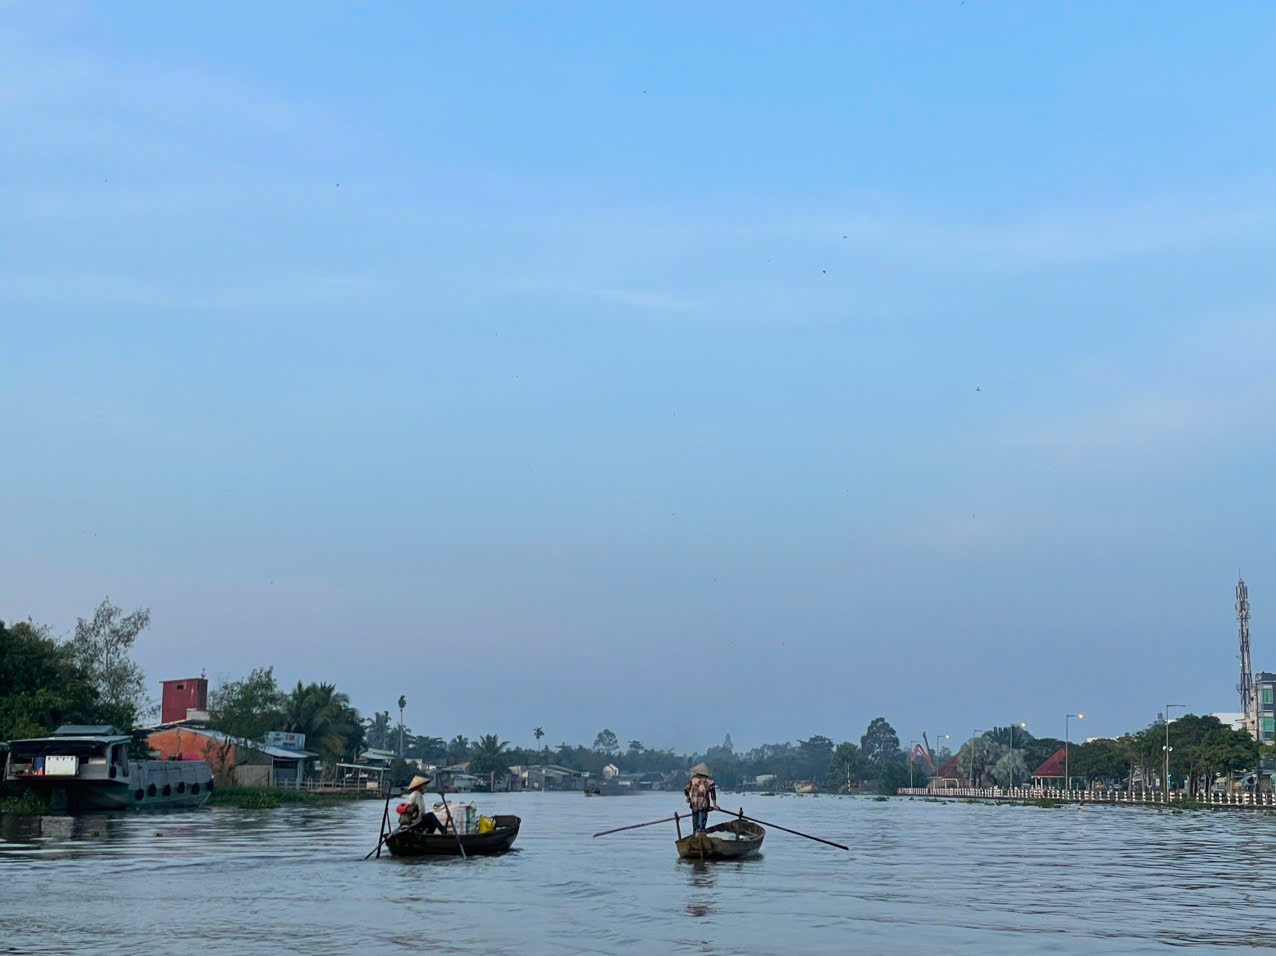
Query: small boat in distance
{"points": [[415, 842], [88, 768], [733, 840], [808, 787]]}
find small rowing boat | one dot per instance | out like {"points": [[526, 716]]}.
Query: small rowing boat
{"points": [[415, 842], [733, 840]]}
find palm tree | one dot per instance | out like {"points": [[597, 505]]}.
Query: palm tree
{"points": [[321, 712], [488, 755], [458, 749], [379, 729], [538, 733]]}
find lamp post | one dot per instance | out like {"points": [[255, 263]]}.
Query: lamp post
{"points": [[1067, 779], [403, 702], [938, 744], [1167, 749], [974, 751], [1022, 726]]}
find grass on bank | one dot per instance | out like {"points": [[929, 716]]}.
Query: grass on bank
{"points": [[270, 798], [27, 805]]}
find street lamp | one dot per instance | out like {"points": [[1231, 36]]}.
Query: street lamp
{"points": [[1067, 780], [403, 702], [974, 750], [1167, 749]]}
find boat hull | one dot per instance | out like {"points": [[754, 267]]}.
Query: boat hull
{"points": [[713, 845], [414, 842], [151, 785]]}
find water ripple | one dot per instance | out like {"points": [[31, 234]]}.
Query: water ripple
{"points": [[948, 877]]}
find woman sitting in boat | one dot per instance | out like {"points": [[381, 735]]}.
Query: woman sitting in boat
{"points": [[413, 812], [702, 796]]}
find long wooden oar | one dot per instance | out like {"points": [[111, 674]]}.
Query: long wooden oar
{"points": [[448, 811], [636, 826], [385, 818], [741, 816]]}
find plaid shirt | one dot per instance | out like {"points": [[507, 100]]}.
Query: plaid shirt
{"points": [[698, 792]]}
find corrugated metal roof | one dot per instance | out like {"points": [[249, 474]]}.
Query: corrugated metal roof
{"points": [[268, 750]]}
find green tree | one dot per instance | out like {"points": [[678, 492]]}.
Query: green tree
{"points": [[103, 646], [814, 755], [458, 749], [380, 729], [333, 728], [538, 733], [845, 767], [248, 708], [892, 776], [488, 756], [880, 746], [606, 742], [1098, 760], [427, 749], [41, 684], [984, 753]]}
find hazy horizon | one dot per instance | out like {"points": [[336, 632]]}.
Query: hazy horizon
{"points": [[678, 371]]}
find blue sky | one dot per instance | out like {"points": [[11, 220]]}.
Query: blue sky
{"points": [[677, 370]]}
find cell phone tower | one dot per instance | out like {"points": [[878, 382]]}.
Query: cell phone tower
{"points": [[1246, 686]]}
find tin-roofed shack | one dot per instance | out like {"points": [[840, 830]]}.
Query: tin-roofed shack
{"points": [[234, 761]]}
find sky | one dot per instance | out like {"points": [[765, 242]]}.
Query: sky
{"points": [[677, 370]]}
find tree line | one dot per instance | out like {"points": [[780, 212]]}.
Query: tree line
{"points": [[1201, 749], [89, 677]]}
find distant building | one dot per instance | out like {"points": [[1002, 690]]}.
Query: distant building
{"points": [[181, 697], [378, 758], [611, 772], [1265, 706], [233, 761], [1234, 720]]}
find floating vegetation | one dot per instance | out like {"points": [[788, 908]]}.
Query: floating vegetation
{"points": [[1046, 804], [28, 804], [251, 798], [880, 799]]}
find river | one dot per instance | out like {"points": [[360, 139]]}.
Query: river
{"points": [[922, 876]]}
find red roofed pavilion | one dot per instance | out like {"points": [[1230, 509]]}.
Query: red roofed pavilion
{"points": [[1050, 773]]}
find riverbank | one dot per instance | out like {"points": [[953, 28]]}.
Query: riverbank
{"points": [[270, 798], [1107, 798], [26, 805]]}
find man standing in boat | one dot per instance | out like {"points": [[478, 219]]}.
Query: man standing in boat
{"points": [[702, 796], [413, 812]]}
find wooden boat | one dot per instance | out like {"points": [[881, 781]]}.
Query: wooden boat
{"points": [[745, 840], [416, 842], [808, 787]]}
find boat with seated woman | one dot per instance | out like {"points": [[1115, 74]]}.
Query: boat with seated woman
{"points": [[736, 839], [414, 841]]}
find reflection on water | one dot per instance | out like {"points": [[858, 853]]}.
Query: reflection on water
{"points": [[922, 876]]}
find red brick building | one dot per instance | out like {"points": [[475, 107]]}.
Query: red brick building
{"points": [[180, 696]]}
